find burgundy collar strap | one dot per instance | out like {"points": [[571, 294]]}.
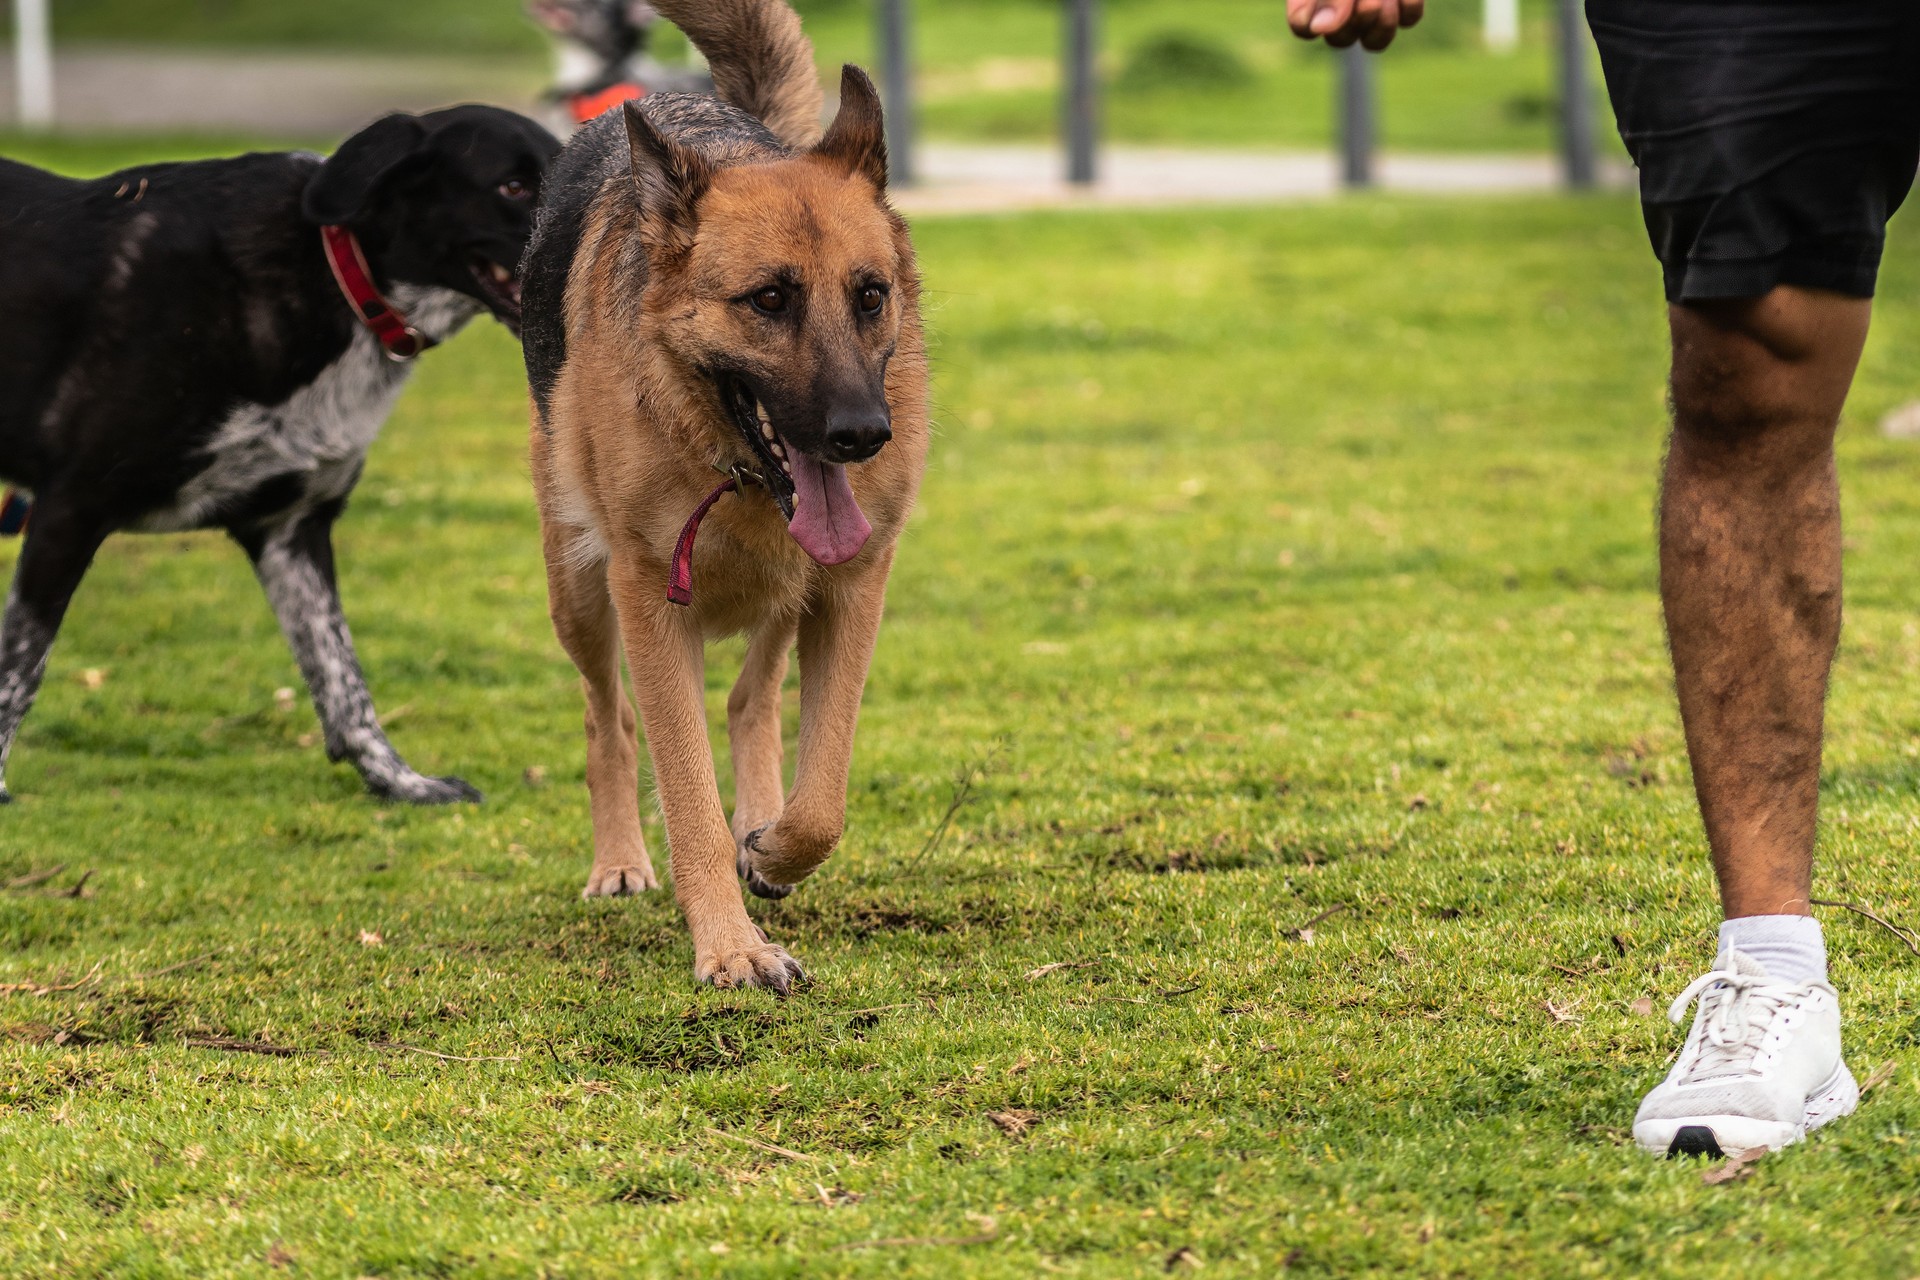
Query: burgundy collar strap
{"points": [[15, 507], [400, 340], [680, 578]]}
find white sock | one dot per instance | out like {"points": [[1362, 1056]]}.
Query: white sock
{"points": [[1790, 947]]}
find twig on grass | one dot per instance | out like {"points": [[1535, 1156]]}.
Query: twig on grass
{"points": [[93, 978], [553, 1053], [1881, 1075], [1559, 1014], [1571, 973], [231, 1044], [33, 878], [78, 885], [763, 1146], [964, 781], [1905, 935], [986, 1236], [444, 1057], [172, 968], [49, 988], [220, 724], [1300, 930], [1014, 1123], [1735, 1169], [1034, 975], [903, 1242]]}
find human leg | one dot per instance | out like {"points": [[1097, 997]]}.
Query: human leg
{"points": [[1750, 572]]}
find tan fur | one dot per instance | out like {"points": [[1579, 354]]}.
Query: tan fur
{"points": [[761, 61], [629, 445]]}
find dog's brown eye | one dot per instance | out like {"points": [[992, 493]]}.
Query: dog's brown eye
{"points": [[770, 301], [872, 298], [514, 189]]}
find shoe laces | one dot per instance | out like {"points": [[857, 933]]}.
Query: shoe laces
{"points": [[1736, 1011]]}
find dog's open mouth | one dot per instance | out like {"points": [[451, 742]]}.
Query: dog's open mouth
{"points": [[499, 289], [822, 514]]}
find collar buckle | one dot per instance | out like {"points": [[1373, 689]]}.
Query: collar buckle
{"points": [[400, 341], [403, 346], [743, 475]]}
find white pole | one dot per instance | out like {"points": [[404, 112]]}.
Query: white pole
{"points": [[1502, 25], [33, 64]]}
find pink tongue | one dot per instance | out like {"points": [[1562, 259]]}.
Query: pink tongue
{"points": [[827, 522]]}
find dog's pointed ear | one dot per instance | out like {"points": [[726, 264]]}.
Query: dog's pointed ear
{"points": [[346, 183], [669, 178], [858, 138]]}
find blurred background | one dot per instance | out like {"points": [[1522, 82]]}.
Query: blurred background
{"points": [[1198, 99]]}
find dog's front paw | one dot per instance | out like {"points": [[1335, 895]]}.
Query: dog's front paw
{"points": [[621, 882], [417, 788], [777, 857], [749, 964], [757, 884]]}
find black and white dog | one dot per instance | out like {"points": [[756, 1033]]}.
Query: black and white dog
{"points": [[215, 345]]}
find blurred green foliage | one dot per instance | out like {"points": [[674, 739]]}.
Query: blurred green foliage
{"points": [[1175, 59], [1211, 72]]}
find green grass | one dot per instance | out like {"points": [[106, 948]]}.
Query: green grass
{"points": [[989, 67], [1270, 562]]}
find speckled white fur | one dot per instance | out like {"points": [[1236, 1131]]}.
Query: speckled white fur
{"points": [[322, 431]]}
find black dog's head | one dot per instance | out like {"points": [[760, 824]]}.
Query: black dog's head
{"points": [[444, 199]]}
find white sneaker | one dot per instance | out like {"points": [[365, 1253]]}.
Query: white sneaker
{"points": [[1760, 1069]]}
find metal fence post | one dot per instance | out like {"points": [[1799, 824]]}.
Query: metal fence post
{"points": [[1576, 98], [1356, 117], [896, 88], [32, 64], [1083, 91]]}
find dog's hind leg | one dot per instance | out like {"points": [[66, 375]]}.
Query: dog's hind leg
{"points": [[59, 547], [294, 562], [837, 636], [753, 734], [666, 654], [584, 620]]}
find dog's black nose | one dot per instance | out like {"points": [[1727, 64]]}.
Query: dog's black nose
{"points": [[856, 435]]}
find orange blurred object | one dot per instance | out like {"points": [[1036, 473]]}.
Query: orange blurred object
{"points": [[591, 106]]}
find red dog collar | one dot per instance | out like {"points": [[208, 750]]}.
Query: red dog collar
{"points": [[590, 106], [680, 572], [401, 340]]}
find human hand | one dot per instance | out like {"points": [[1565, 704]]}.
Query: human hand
{"points": [[1373, 23]]}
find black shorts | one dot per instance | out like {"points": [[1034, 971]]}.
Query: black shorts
{"points": [[1774, 138]]}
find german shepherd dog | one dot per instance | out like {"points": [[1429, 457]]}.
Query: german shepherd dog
{"points": [[715, 290]]}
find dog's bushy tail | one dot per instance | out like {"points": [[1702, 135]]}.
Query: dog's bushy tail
{"points": [[761, 61]]}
